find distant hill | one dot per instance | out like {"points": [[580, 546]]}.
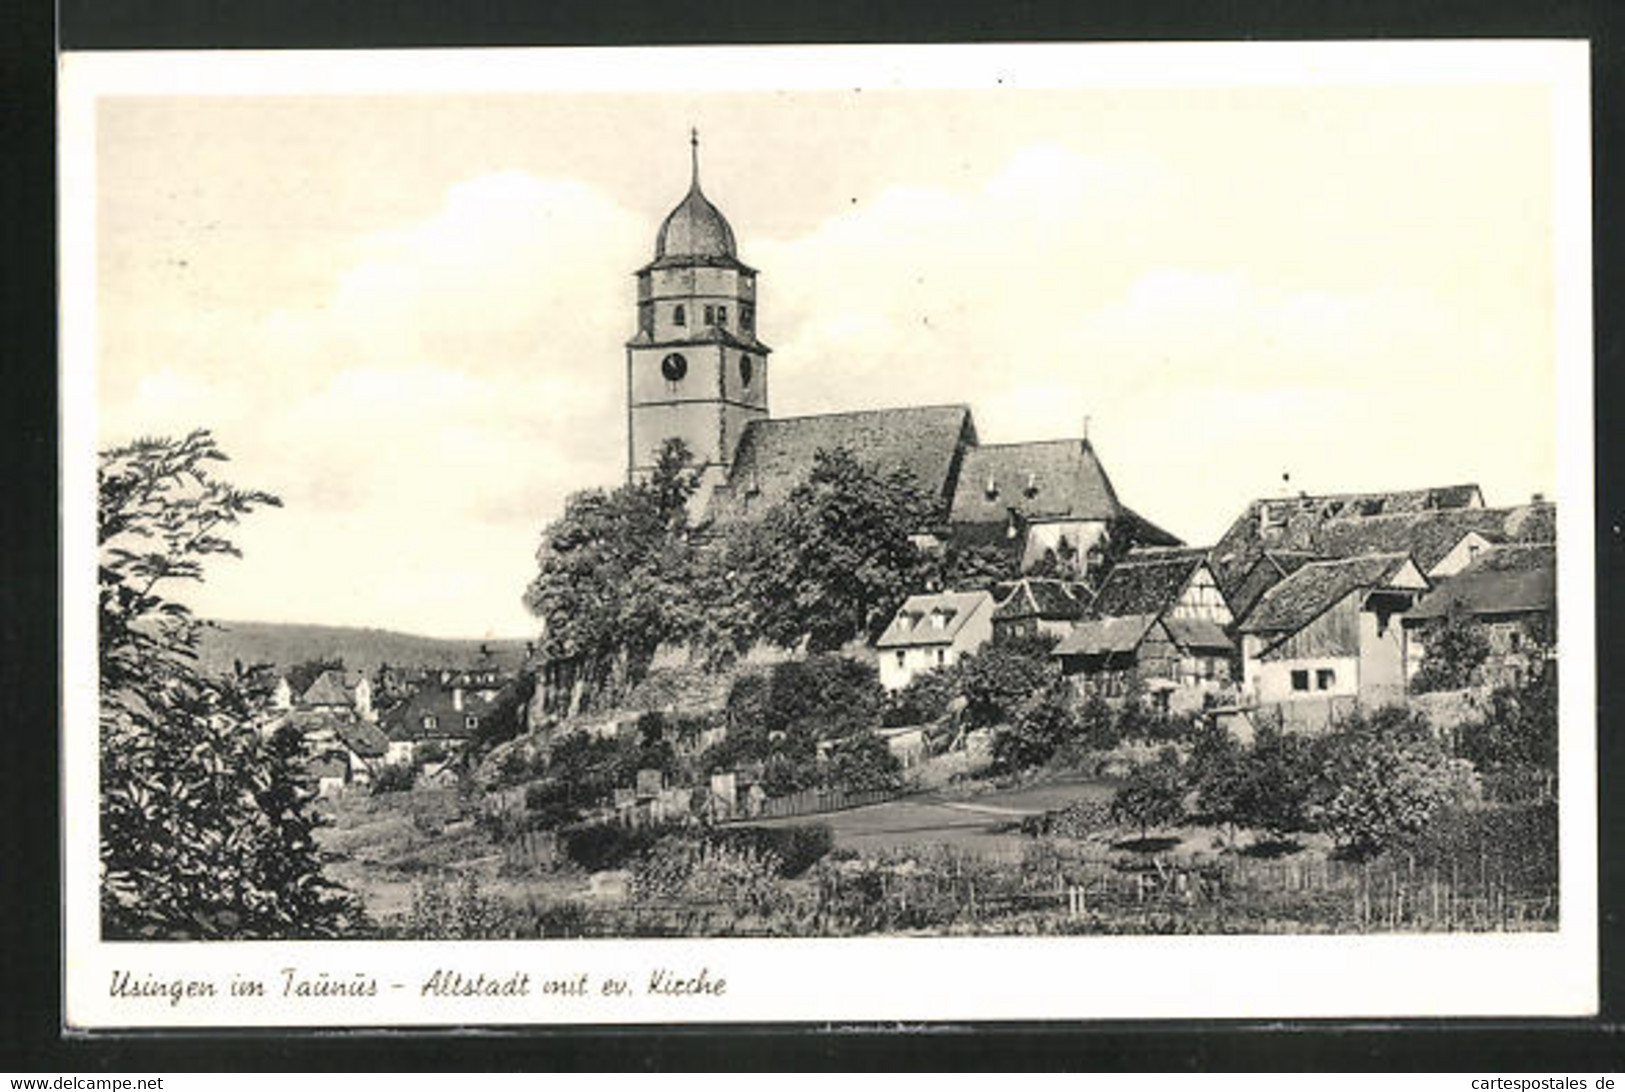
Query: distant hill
{"points": [[286, 644]]}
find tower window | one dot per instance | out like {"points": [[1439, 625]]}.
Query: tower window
{"points": [[746, 369], [747, 317], [674, 367], [679, 317], [722, 316], [710, 315]]}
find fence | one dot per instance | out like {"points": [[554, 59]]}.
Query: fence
{"points": [[813, 801]]}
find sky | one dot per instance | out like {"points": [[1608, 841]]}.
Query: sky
{"points": [[405, 315]]}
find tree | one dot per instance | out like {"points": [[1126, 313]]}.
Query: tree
{"points": [[861, 762], [1387, 776], [1153, 795], [1519, 732], [1041, 727], [1001, 676], [615, 574], [1452, 650], [1278, 783], [1219, 773], [833, 561], [925, 699], [206, 825], [976, 567]]}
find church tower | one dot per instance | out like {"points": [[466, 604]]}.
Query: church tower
{"points": [[694, 369]]}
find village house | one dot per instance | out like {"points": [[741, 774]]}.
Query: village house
{"points": [[933, 631], [338, 692], [1157, 624], [1509, 595], [445, 716], [1039, 606], [1329, 637], [365, 748], [330, 771], [1442, 528]]}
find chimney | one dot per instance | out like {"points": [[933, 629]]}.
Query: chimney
{"points": [[457, 698]]}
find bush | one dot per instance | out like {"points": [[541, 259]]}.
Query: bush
{"points": [[1387, 776], [797, 848], [1452, 650], [925, 699], [1153, 795], [1079, 819], [1038, 732], [394, 777], [997, 680], [862, 762], [1519, 732], [427, 752], [690, 869], [603, 846], [1279, 782]]}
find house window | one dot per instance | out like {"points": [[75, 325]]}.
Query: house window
{"points": [[899, 657], [1325, 679], [679, 316], [941, 653], [430, 722], [1300, 680]]}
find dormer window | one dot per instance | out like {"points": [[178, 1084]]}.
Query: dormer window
{"points": [[1031, 489], [679, 317], [991, 488], [430, 722]]}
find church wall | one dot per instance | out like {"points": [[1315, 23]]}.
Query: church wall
{"points": [[695, 423], [700, 381]]}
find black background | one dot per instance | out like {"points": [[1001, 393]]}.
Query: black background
{"points": [[30, 1000]]}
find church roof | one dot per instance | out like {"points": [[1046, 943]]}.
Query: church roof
{"points": [[1045, 480], [776, 454], [695, 229]]}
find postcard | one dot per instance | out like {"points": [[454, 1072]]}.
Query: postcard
{"points": [[611, 536]]}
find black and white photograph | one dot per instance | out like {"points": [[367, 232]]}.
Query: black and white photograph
{"points": [[1106, 501]]}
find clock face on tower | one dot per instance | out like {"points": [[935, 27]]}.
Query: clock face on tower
{"points": [[674, 367]]}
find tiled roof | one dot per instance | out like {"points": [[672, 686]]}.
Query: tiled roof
{"points": [[329, 689], [1491, 591], [1145, 582], [1142, 532], [1292, 521], [1042, 597], [328, 765], [776, 454], [366, 740], [404, 722], [1268, 569], [1315, 587], [1198, 634], [911, 626], [1045, 480], [1102, 636], [1427, 536], [1514, 557]]}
